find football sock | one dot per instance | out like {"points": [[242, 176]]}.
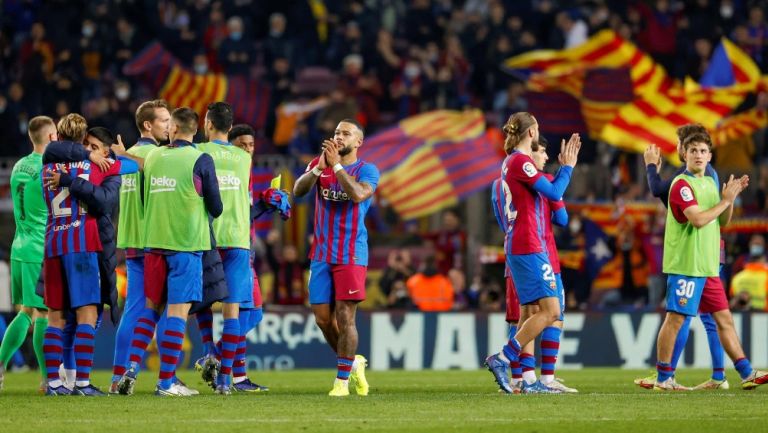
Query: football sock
{"points": [[550, 346], [84, 343], [715, 347]]}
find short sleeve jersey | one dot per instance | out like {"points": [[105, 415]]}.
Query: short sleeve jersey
{"points": [[520, 173]]}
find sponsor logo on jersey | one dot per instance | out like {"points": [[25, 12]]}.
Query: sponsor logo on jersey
{"points": [[161, 184], [129, 184], [529, 169], [228, 181], [334, 195]]}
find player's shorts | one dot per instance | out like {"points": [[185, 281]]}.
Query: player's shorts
{"points": [[684, 294], [239, 276], [24, 278], [713, 297], [533, 277], [72, 281], [329, 282], [175, 278], [513, 303]]}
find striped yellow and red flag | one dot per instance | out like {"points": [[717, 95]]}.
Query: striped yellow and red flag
{"points": [[739, 125], [186, 89]]}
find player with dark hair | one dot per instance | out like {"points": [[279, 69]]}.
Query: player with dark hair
{"points": [[339, 251], [180, 192]]}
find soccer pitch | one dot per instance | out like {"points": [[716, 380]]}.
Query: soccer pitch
{"points": [[433, 401]]}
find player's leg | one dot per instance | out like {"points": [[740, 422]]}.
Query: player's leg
{"points": [[56, 299], [527, 358], [185, 286], [40, 317], [24, 278], [750, 378], [321, 301], [712, 300], [134, 304], [550, 346], [349, 288], [514, 317], [236, 265], [683, 298], [82, 271], [69, 363], [155, 273]]}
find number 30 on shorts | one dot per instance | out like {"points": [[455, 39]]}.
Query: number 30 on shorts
{"points": [[685, 288]]}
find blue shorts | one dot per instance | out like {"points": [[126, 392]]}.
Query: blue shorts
{"points": [[185, 277], [72, 281], [684, 294], [237, 271], [533, 277]]}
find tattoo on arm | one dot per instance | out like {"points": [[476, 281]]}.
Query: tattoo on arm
{"points": [[354, 189]]}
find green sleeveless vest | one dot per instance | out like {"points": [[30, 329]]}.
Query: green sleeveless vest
{"points": [[233, 168], [130, 226], [687, 250], [174, 213]]}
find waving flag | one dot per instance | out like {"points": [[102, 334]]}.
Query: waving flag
{"points": [[431, 161], [182, 87], [649, 105]]}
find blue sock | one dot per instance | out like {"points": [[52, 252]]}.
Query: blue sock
{"points": [[664, 371], [123, 337], [680, 341], [257, 314], [743, 366], [550, 347], [84, 344], [229, 341], [170, 345], [68, 339], [205, 325], [512, 332], [52, 349], [512, 350], [715, 348], [344, 367], [143, 332]]}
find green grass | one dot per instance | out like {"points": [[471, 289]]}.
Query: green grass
{"points": [[438, 401]]}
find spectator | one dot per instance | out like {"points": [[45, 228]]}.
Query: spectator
{"points": [[750, 286], [399, 269], [574, 29], [459, 283], [757, 32], [236, 53], [429, 290], [277, 44], [450, 243], [289, 287], [215, 33], [755, 248], [364, 88], [340, 107]]}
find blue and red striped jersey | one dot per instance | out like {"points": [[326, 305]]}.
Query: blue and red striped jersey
{"points": [[70, 228], [340, 236], [505, 215], [519, 173]]}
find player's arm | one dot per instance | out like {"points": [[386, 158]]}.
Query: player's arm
{"points": [[101, 199], [725, 217], [68, 151], [207, 185], [568, 157], [559, 213], [357, 191], [307, 180], [129, 161], [700, 217], [497, 203]]}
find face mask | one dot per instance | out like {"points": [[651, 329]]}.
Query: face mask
{"points": [[411, 71], [575, 226], [236, 36], [88, 31], [122, 93], [201, 69], [756, 250]]}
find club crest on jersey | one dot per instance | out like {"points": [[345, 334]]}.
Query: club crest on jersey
{"points": [[686, 193], [529, 169], [683, 301]]}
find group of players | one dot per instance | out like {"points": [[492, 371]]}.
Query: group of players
{"points": [[185, 212], [526, 202]]}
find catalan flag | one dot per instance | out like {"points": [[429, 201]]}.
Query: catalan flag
{"points": [[181, 87], [739, 125], [730, 66], [431, 161]]}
